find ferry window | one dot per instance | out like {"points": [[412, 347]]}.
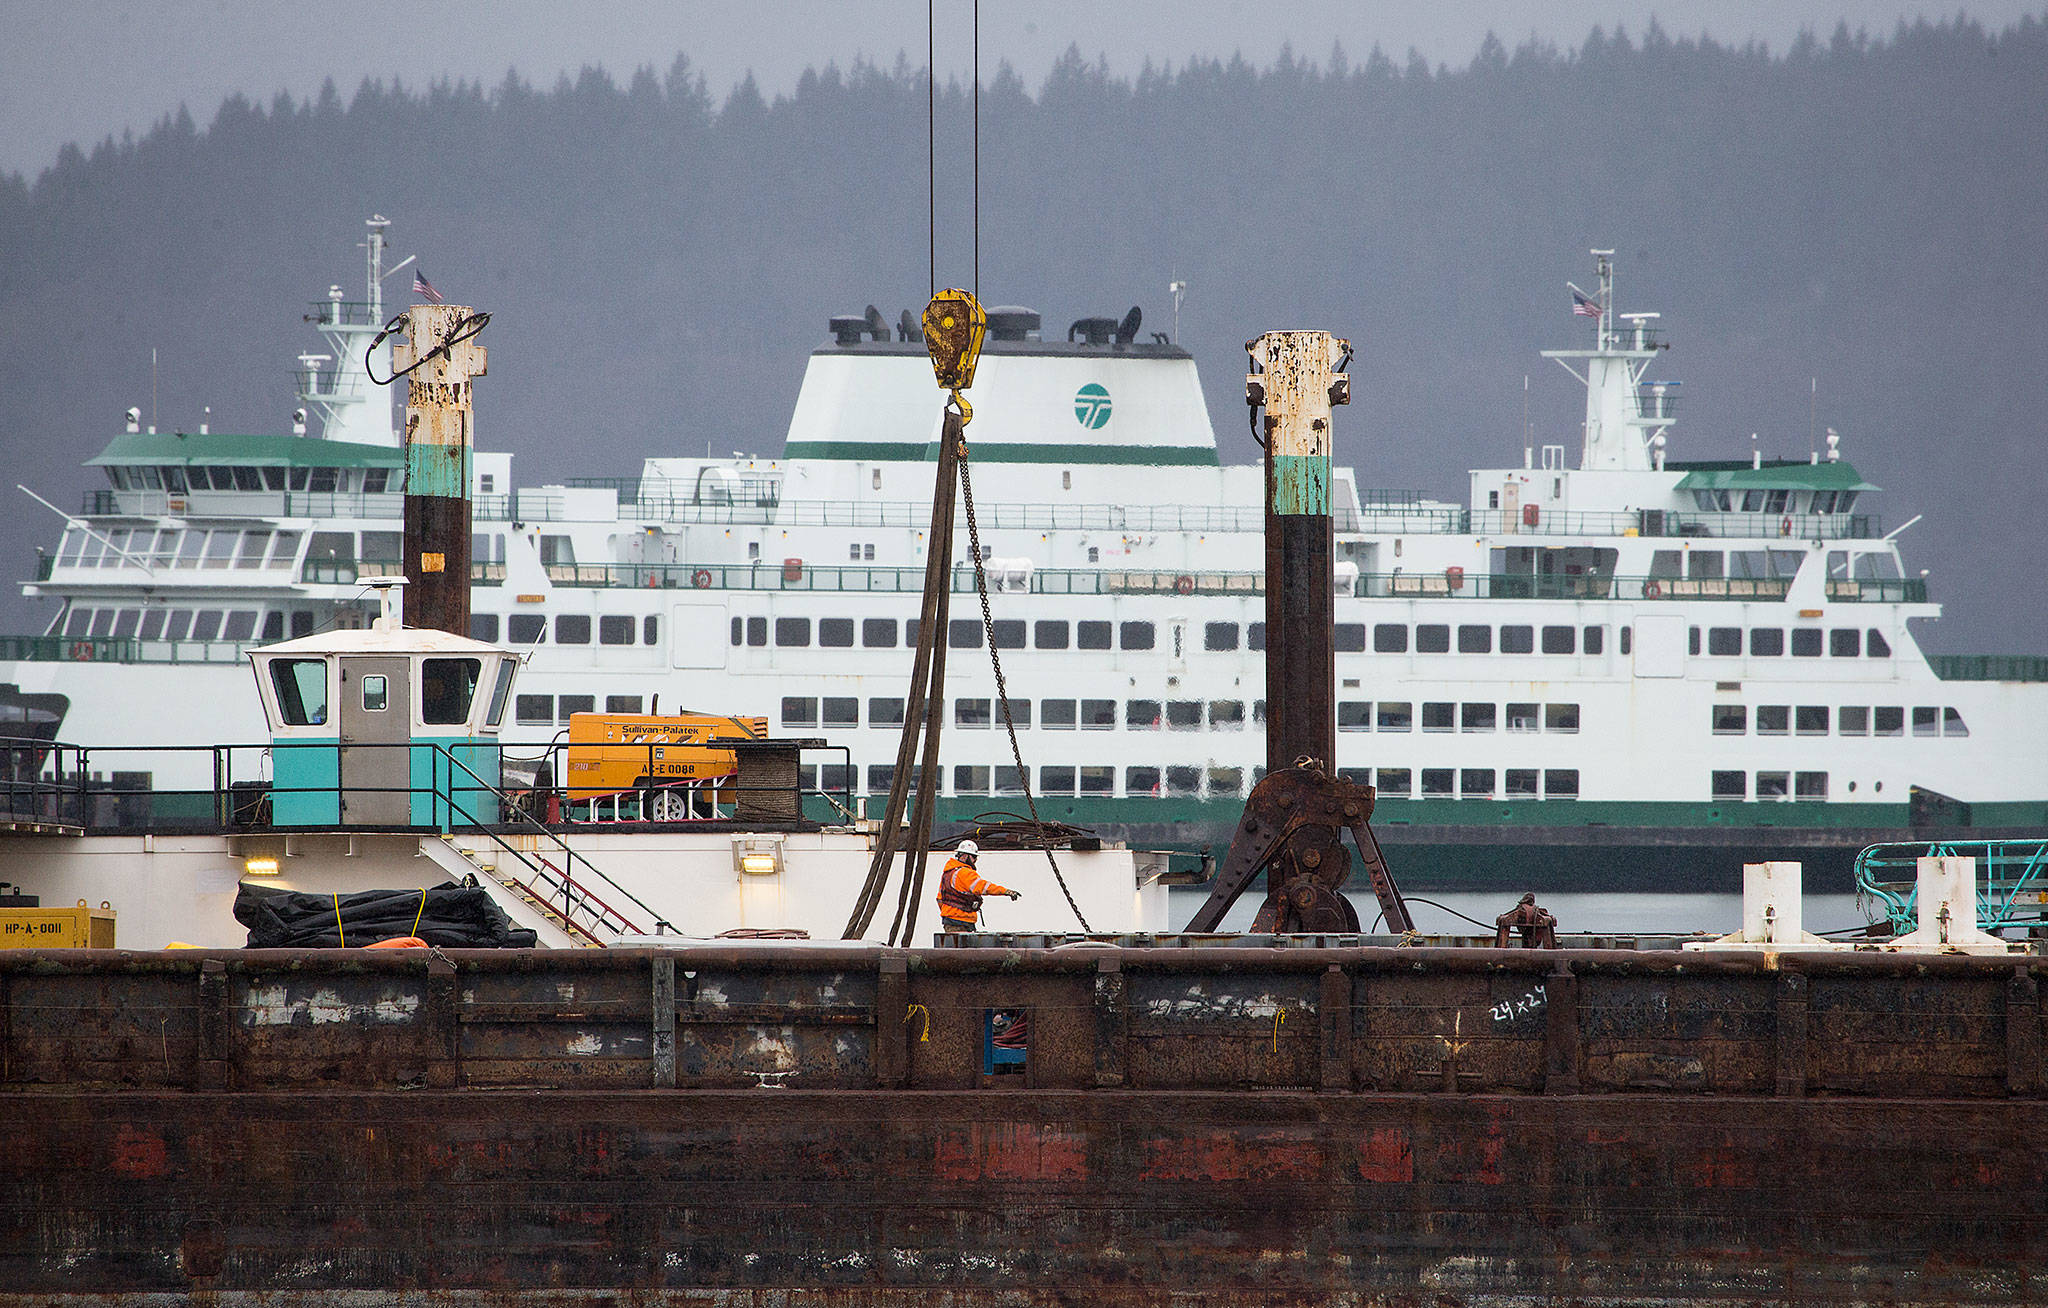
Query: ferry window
{"points": [[1354, 715], [1845, 643], [1703, 565], [1183, 780], [124, 623], [240, 625], [220, 549], [532, 629], [1396, 781], [835, 633], [1225, 782], [1477, 717], [301, 686], [1259, 712], [1692, 640], [836, 777], [383, 546], [799, 711], [1522, 640], [103, 622], [757, 632], [1952, 723], [1056, 780], [1559, 640], [1810, 720], [1560, 783], [1098, 780], [1725, 642], [321, 481], [1141, 781], [1664, 563], [880, 777], [572, 629], [177, 624], [1226, 715], [1008, 633], [971, 714], [1390, 638], [630, 704], [1875, 645], [1766, 642], [1439, 716], [557, 550], [1518, 783], [1806, 642], [1255, 637], [1219, 636], [1731, 719], [1730, 785], [1351, 638], [1775, 501], [615, 629], [788, 631], [376, 693], [1475, 640], [302, 623], [1098, 714], [1852, 720], [1524, 717], [1925, 722], [78, 622], [74, 543], [1135, 635], [1562, 718], [1823, 501], [374, 480], [1810, 785], [1009, 781], [448, 688], [247, 479], [1396, 716], [963, 633], [878, 633], [1049, 633], [1184, 715], [1438, 783], [534, 708], [1094, 554], [1627, 639], [970, 779], [1141, 715], [1020, 712], [1888, 720], [205, 624], [839, 711], [1773, 719], [1772, 785], [650, 630], [500, 692], [1091, 635], [255, 547], [1056, 714], [885, 712], [1432, 638], [152, 624]]}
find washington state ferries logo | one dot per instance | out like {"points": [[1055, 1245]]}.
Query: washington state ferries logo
{"points": [[1091, 407]]}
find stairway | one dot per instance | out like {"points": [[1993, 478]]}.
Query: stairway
{"points": [[525, 901]]}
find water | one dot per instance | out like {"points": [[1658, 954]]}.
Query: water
{"points": [[1600, 914]]}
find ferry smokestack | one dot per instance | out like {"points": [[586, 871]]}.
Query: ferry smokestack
{"points": [[1298, 378], [439, 357]]}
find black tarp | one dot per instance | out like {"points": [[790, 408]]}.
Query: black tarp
{"points": [[456, 916]]}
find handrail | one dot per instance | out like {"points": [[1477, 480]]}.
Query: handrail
{"points": [[2005, 868]]}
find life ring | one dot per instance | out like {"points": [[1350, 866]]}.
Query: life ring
{"points": [[1651, 590], [1785, 526], [701, 579], [1184, 585], [81, 651]]}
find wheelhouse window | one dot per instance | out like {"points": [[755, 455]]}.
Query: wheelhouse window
{"points": [[448, 688], [301, 686], [507, 668]]}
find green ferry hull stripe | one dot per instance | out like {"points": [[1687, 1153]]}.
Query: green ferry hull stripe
{"points": [[1301, 483], [1145, 456]]}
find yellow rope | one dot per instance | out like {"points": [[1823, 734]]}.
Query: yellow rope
{"points": [[914, 1010], [422, 913], [1278, 1017], [337, 920]]}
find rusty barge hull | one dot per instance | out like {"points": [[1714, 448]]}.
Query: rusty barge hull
{"points": [[1191, 1126]]}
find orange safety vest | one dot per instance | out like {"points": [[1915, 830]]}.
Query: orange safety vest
{"points": [[961, 891]]}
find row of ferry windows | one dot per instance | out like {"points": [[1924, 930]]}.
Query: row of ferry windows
{"points": [[1184, 714], [177, 479], [184, 624], [1849, 720], [1216, 782], [569, 628], [1011, 633], [171, 547], [1807, 642]]}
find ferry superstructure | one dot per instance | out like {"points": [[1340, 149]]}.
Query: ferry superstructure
{"points": [[1574, 675]]}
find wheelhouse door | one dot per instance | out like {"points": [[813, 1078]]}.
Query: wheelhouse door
{"points": [[376, 730]]}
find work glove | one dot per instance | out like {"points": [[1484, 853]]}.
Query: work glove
{"points": [[1016, 894]]}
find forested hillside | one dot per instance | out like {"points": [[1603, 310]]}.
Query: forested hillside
{"points": [[1867, 212]]}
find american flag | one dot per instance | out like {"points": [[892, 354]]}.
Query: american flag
{"points": [[1582, 305], [424, 288]]}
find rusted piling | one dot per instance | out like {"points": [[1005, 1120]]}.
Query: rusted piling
{"points": [[440, 359]]}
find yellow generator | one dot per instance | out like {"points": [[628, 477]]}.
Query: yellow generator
{"points": [[33, 927], [669, 762]]}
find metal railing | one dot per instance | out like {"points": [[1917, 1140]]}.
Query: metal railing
{"points": [[109, 503], [2006, 869], [1989, 667]]}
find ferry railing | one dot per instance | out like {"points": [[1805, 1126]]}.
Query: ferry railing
{"points": [[108, 502], [2006, 869]]}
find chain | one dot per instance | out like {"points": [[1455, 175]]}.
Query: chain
{"points": [[988, 631]]}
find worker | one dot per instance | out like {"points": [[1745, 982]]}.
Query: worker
{"points": [[961, 889]]}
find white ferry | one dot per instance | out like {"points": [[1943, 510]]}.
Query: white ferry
{"points": [[1623, 670]]}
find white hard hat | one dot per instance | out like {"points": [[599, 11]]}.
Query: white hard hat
{"points": [[968, 848]]}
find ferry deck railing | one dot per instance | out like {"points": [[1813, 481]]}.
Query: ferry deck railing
{"points": [[2012, 880]]}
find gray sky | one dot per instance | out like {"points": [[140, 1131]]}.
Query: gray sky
{"points": [[79, 70]]}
